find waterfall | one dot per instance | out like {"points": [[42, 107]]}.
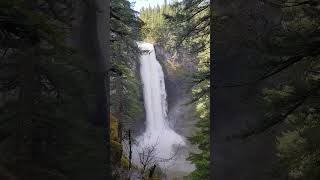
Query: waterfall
{"points": [[158, 133]]}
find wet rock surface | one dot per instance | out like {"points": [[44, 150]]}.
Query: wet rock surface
{"points": [[178, 70]]}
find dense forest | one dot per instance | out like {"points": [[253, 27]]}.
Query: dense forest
{"points": [[71, 104], [271, 49], [48, 88], [54, 86], [295, 57]]}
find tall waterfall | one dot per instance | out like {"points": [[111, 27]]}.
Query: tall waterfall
{"points": [[158, 133]]}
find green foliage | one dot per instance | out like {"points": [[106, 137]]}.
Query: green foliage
{"points": [[124, 162], [125, 87], [295, 100], [202, 139], [155, 29], [58, 140], [190, 25], [298, 150]]}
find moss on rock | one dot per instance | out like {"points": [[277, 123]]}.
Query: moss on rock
{"points": [[125, 162], [114, 128], [116, 146]]}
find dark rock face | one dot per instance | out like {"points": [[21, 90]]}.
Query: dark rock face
{"points": [[177, 80], [234, 109]]}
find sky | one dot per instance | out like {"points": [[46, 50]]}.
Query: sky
{"points": [[145, 3]]}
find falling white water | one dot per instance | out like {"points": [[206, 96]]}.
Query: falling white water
{"points": [[157, 131]]}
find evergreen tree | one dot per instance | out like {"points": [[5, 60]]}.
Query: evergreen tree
{"points": [[295, 51], [126, 106], [45, 90]]}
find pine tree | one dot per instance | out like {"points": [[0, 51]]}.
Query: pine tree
{"points": [[295, 51]]}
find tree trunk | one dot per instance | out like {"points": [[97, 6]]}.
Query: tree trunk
{"points": [[26, 98], [27, 93], [231, 40], [130, 149], [152, 171], [94, 41]]}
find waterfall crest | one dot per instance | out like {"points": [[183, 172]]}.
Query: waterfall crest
{"points": [[158, 132]]}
